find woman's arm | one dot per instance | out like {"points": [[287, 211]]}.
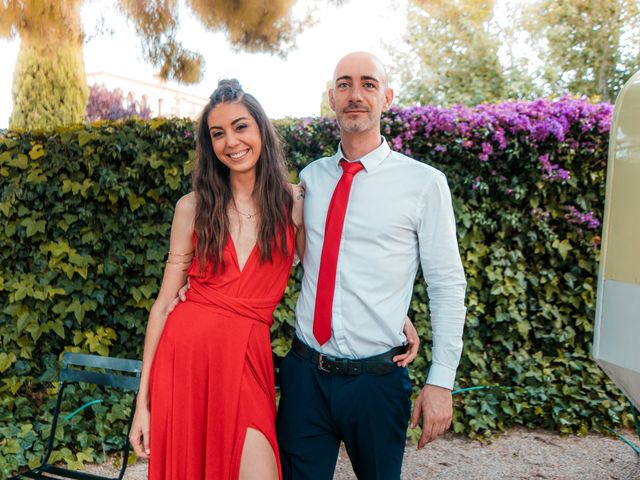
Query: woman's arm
{"points": [[175, 274], [297, 191]]}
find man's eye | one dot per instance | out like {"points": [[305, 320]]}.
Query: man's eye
{"points": [[369, 85], [343, 85]]}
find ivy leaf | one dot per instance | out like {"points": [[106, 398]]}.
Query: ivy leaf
{"points": [[75, 307], [24, 319], [6, 360], [148, 289], [5, 156], [57, 327], [84, 137], [11, 446], [135, 202], [79, 260], [33, 226], [136, 294], [5, 208], [524, 327], [36, 176], [85, 456], [52, 292], [563, 247], [21, 161], [36, 152]]}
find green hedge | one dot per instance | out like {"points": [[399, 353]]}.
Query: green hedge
{"points": [[86, 214]]}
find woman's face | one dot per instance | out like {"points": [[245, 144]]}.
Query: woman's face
{"points": [[235, 136]]}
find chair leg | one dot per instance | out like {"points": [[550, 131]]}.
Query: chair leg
{"points": [[54, 425], [125, 453]]}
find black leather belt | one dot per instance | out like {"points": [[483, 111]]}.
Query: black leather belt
{"points": [[378, 364]]}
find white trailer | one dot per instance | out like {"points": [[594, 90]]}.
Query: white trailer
{"points": [[616, 343]]}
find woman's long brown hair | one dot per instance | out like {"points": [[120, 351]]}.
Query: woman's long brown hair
{"points": [[210, 181]]}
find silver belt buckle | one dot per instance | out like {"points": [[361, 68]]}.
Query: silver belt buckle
{"points": [[321, 366]]}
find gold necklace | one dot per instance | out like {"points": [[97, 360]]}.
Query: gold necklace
{"points": [[249, 216]]}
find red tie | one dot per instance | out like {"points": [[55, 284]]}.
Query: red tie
{"points": [[330, 248]]}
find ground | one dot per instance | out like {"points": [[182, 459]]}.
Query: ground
{"points": [[519, 454]]}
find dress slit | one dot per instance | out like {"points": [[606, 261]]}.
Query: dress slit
{"points": [[256, 405]]}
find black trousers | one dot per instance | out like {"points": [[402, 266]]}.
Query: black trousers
{"points": [[318, 410]]}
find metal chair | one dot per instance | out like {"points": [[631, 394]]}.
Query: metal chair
{"points": [[75, 369]]}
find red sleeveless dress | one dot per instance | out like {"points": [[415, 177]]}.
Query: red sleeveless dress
{"points": [[212, 374]]}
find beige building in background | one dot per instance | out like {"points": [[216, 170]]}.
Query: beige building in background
{"points": [[163, 100]]}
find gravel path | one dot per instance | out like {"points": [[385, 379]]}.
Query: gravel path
{"points": [[520, 454]]}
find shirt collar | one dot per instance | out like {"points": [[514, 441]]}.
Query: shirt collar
{"points": [[370, 160]]}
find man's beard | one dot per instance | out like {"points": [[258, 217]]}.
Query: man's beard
{"points": [[353, 126], [357, 125]]}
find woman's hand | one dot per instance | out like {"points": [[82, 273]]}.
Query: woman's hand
{"points": [[139, 434], [413, 345]]}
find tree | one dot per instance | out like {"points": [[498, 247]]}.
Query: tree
{"points": [[325, 108], [589, 47], [105, 104], [451, 54], [49, 86]]}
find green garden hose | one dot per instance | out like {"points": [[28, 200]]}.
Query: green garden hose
{"points": [[635, 448]]}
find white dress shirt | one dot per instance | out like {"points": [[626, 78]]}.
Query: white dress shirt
{"points": [[399, 215]]}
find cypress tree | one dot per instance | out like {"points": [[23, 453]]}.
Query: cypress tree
{"points": [[49, 87], [49, 81]]}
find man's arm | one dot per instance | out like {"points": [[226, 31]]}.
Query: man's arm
{"points": [[180, 297], [442, 269]]}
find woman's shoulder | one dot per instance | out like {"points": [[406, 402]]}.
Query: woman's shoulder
{"points": [[186, 205]]}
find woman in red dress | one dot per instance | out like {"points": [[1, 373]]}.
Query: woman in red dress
{"points": [[206, 404]]}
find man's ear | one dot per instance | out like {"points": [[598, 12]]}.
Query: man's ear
{"points": [[332, 101], [388, 99]]}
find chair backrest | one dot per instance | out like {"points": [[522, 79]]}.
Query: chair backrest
{"points": [[118, 380], [118, 373]]}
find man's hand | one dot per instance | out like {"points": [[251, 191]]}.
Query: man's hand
{"points": [[182, 297], [413, 345], [139, 434], [435, 406]]}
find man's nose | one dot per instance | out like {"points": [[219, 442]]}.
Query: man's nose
{"points": [[356, 94]]}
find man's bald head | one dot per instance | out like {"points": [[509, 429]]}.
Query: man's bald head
{"points": [[360, 93], [363, 60]]}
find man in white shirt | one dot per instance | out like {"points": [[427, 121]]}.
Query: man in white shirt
{"points": [[387, 216]]}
